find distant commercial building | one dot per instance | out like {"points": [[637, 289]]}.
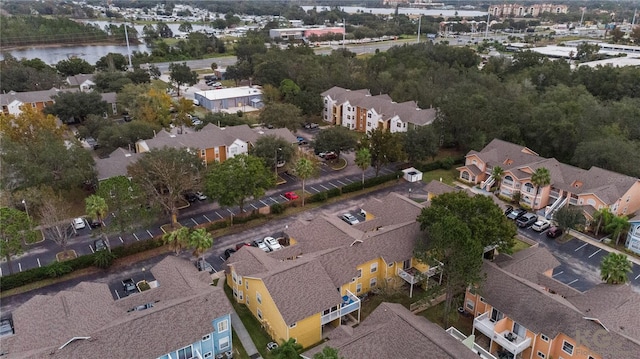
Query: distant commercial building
{"points": [[519, 10], [303, 32], [238, 98]]}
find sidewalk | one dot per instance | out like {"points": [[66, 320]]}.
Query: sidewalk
{"points": [[241, 331], [605, 247]]}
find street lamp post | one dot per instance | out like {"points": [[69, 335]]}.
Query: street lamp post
{"points": [[275, 162], [26, 210]]}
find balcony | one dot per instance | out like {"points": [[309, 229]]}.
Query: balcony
{"points": [[483, 353], [508, 340], [554, 194], [350, 303], [507, 183]]}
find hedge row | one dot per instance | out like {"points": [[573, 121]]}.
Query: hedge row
{"points": [[445, 163]]}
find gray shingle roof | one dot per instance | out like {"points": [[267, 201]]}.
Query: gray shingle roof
{"points": [[392, 331], [116, 164], [77, 80], [185, 304], [392, 209], [31, 96], [529, 262]]}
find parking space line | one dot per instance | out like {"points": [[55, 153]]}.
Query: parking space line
{"points": [[230, 211], [120, 238], [573, 281], [317, 191], [271, 198], [579, 248], [117, 295], [40, 265], [90, 247], [254, 207], [261, 201], [136, 237], [636, 278], [324, 187], [342, 183], [333, 185], [20, 266], [0, 272], [285, 198], [596, 252], [194, 221], [149, 233], [558, 273], [207, 218], [348, 179], [218, 214]]}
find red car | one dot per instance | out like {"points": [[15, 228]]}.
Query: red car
{"points": [[291, 196]]}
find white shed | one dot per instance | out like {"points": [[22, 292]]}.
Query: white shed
{"points": [[412, 175]]}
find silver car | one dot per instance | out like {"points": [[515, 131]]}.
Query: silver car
{"points": [[349, 218]]}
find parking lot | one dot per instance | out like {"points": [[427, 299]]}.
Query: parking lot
{"points": [[117, 288]]}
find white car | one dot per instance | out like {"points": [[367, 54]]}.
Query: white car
{"points": [[541, 225], [260, 244], [349, 218], [79, 223], [272, 243], [200, 196]]}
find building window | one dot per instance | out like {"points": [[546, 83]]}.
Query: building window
{"points": [[373, 282], [369, 115], [544, 338], [208, 355], [374, 267], [203, 153], [258, 298], [259, 314], [358, 288], [293, 325], [240, 280], [359, 273], [391, 264], [482, 300], [223, 326], [567, 347], [240, 297], [223, 343], [399, 125], [185, 353], [206, 337], [541, 355], [368, 124], [470, 305]]}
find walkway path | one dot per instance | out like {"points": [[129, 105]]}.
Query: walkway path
{"points": [[241, 331]]}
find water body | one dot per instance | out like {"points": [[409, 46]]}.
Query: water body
{"points": [[90, 53], [405, 11]]}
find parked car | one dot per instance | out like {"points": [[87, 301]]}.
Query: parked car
{"points": [[508, 210], [541, 225], [203, 265], [526, 220], [272, 243], [271, 346], [200, 196], [190, 196], [311, 125], [129, 286], [100, 245], [516, 213], [349, 218], [330, 156], [291, 196], [554, 232], [240, 245], [260, 244], [94, 223], [228, 252], [79, 223]]}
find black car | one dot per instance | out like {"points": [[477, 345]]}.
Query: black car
{"points": [[554, 232], [94, 223], [190, 196], [100, 245], [508, 210], [516, 213], [129, 286], [228, 252], [203, 265]]}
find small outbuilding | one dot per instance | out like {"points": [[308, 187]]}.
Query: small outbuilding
{"points": [[412, 175]]}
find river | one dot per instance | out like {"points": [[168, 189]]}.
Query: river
{"points": [[90, 53]]}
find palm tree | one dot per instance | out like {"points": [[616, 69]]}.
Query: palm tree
{"points": [[603, 216], [177, 239], [497, 174], [287, 350], [540, 178], [617, 225], [305, 167], [96, 207], [200, 240], [614, 268], [363, 160], [328, 353]]}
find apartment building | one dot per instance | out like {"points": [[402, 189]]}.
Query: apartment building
{"points": [[633, 237], [519, 10], [591, 189], [312, 286], [360, 111], [181, 316]]}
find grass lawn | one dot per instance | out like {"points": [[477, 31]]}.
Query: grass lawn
{"points": [[372, 302], [461, 322], [259, 337], [448, 176], [519, 245]]}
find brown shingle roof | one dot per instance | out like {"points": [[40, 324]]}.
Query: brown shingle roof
{"points": [[392, 209], [529, 262], [116, 164], [391, 331]]}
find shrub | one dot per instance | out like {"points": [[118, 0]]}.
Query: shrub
{"points": [[58, 269], [318, 197], [352, 187], [249, 218], [144, 286], [382, 179], [447, 163], [19, 279], [103, 259], [277, 208], [137, 247], [334, 192], [217, 225]]}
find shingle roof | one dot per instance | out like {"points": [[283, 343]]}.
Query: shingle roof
{"points": [[529, 262], [109, 97], [31, 96], [116, 164], [392, 331], [184, 305], [77, 80], [392, 209]]}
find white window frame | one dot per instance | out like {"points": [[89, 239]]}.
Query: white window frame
{"points": [[358, 288], [259, 314], [207, 355], [544, 337], [470, 305], [391, 264], [224, 340], [373, 268], [359, 273], [258, 298], [373, 282], [293, 325], [564, 342], [185, 349], [224, 324], [206, 337], [240, 295], [246, 284], [541, 355]]}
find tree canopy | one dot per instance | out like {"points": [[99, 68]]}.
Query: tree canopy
{"points": [[282, 115], [337, 139], [76, 106], [271, 147], [181, 74]]}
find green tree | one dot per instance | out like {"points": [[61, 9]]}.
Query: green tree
{"points": [[74, 66], [96, 207], [112, 62], [289, 89], [569, 217], [165, 174], [541, 177], [305, 167], [154, 71], [456, 230], [214, 66], [271, 147], [282, 115], [76, 106], [328, 353], [363, 160], [200, 241], [181, 74], [615, 268], [183, 108], [616, 35], [337, 139], [289, 349], [185, 27], [420, 143], [14, 229], [18, 76], [602, 217], [126, 200], [236, 179], [617, 226], [111, 81], [103, 259], [497, 172], [385, 147], [586, 51], [139, 76], [177, 239], [635, 34]]}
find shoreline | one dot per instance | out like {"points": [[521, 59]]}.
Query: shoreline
{"points": [[49, 46]]}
